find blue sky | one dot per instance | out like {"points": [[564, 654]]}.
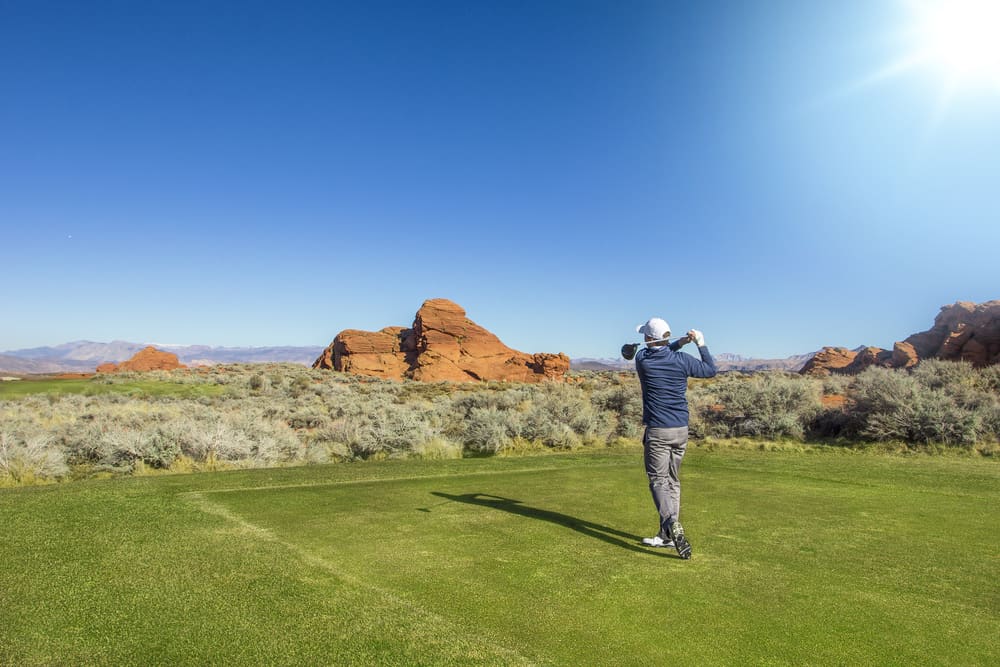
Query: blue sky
{"points": [[269, 173]]}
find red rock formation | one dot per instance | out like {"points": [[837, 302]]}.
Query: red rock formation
{"points": [[443, 344], [147, 359], [868, 356], [375, 354], [903, 355], [829, 360], [962, 331]]}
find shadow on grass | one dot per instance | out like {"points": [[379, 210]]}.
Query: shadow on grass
{"points": [[588, 528]]}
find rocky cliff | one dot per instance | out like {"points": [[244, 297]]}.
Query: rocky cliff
{"points": [[962, 331], [442, 344], [147, 359]]}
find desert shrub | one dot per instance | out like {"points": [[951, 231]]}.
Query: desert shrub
{"points": [[326, 444], [508, 399], [120, 448], [220, 442], [622, 406], [563, 417], [257, 382], [397, 428], [927, 420], [918, 408], [938, 374], [835, 384], [344, 436], [991, 423], [988, 379], [273, 440], [118, 437], [376, 425], [772, 405], [488, 421], [489, 429], [438, 449], [26, 460], [113, 435], [308, 417], [550, 415], [831, 423]]}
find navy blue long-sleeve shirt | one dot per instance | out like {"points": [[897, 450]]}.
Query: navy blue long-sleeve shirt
{"points": [[663, 374]]}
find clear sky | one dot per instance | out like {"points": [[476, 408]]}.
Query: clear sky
{"points": [[783, 175]]}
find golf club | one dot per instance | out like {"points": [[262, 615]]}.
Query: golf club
{"points": [[629, 350]]}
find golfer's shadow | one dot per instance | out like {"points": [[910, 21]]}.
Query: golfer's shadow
{"points": [[588, 528]]}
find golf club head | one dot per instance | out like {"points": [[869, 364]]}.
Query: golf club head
{"points": [[629, 350]]}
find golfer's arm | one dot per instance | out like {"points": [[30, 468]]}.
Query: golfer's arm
{"points": [[704, 368]]}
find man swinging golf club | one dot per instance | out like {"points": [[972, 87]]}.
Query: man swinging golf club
{"points": [[663, 372]]}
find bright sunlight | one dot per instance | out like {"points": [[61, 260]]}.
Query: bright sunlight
{"points": [[960, 39]]}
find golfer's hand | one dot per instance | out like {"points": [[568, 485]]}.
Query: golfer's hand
{"points": [[697, 336]]}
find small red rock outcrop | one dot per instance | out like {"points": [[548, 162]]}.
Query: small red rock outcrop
{"points": [[962, 331], [146, 359], [829, 360], [442, 344]]}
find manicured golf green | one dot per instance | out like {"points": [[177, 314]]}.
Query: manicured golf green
{"points": [[815, 558]]}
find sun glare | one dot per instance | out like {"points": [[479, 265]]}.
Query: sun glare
{"points": [[960, 39]]}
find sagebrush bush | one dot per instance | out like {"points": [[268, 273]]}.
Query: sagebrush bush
{"points": [[772, 405], [27, 459], [438, 449], [490, 430], [988, 379], [621, 405], [562, 416], [936, 403], [938, 374]]}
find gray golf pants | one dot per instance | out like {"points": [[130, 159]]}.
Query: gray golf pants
{"points": [[663, 450]]}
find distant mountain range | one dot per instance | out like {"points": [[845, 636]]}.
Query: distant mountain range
{"points": [[84, 356], [724, 362]]}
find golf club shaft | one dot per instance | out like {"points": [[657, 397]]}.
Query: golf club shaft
{"points": [[629, 349], [681, 341]]}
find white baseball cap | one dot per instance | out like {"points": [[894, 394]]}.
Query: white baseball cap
{"points": [[654, 328]]}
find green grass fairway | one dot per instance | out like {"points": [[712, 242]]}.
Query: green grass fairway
{"points": [[825, 558], [92, 386]]}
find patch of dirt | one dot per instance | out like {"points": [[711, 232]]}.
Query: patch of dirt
{"points": [[834, 401]]}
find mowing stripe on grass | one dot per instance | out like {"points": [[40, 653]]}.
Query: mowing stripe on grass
{"points": [[406, 478]]}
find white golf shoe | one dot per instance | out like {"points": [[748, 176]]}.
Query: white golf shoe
{"points": [[657, 541]]}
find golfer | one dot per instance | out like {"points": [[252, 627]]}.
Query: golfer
{"points": [[663, 372]]}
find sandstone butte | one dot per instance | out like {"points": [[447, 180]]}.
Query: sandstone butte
{"points": [[442, 345], [146, 359], [962, 331]]}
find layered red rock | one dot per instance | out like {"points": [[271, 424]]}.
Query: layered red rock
{"points": [[829, 360], [962, 331], [146, 359], [442, 344], [904, 355], [371, 353], [966, 331]]}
